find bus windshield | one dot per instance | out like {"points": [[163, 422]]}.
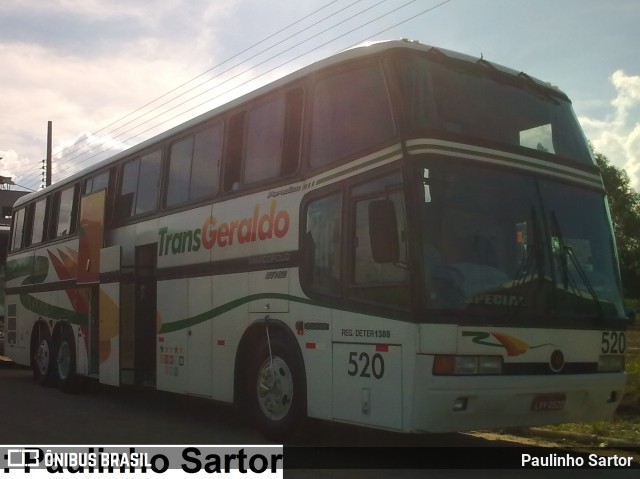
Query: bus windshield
{"points": [[445, 97], [502, 243]]}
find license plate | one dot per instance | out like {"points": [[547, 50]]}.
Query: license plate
{"points": [[548, 402]]}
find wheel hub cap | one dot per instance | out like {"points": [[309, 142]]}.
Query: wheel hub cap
{"points": [[42, 359], [275, 389]]}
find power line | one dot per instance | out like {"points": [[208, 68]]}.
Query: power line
{"points": [[25, 187], [222, 83], [207, 71], [405, 21], [253, 67], [77, 146], [99, 145], [268, 71]]}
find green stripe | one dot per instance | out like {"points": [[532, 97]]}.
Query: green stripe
{"points": [[49, 311], [34, 268], [35, 271], [225, 308]]}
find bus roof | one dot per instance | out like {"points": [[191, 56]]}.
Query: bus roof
{"points": [[353, 53]]}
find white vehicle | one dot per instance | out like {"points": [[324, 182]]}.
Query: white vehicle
{"points": [[398, 236]]}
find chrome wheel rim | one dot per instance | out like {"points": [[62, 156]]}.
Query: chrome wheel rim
{"points": [[42, 357], [64, 360], [275, 388]]}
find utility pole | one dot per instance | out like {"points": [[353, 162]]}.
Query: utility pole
{"points": [[48, 165]]}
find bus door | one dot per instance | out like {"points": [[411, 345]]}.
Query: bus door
{"points": [[110, 312], [145, 327], [91, 233], [138, 292]]}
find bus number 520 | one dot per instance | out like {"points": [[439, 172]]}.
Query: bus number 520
{"points": [[364, 365], [613, 342]]}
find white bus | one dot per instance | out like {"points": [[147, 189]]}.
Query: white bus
{"points": [[399, 236]]}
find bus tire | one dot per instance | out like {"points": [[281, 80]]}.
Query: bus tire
{"points": [[276, 403], [42, 363], [65, 363]]}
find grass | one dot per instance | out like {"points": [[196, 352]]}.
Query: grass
{"points": [[625, 423]]}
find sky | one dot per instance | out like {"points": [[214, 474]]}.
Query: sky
{"points": [[111, 73]]}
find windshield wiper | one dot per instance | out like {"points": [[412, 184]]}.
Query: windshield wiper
{"points": [[567, 253]]}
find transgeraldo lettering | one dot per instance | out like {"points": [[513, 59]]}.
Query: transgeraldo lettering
{"points": [[258, 227]]}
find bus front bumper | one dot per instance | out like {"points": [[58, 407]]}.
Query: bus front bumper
{"points": [[463, 403]]}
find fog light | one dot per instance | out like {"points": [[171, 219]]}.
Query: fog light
{"points": [[460, 404]]}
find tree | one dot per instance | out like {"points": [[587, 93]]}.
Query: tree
{"points": [[624, 203]]}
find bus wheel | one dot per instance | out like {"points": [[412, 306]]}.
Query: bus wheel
{"points": [[42, 361], [276, 396], [66, 361]]}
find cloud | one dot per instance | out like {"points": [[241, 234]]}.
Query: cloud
{"points": [[103, 61], [96, 66], [628, 88], [85, 150], [617, 136], [75, 94], [87, 65]]}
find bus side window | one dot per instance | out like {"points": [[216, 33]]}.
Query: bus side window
{"points": [[139, 186], [40, 218], [99, 182], [17, 229], [233, 155], [125, 202], [322, 245], [179, 171], [205, 166], [265, 134], [351, 113], [379, 278], [292, 132], [263, 142], [194, 166], [63, 213], [148, 186]]}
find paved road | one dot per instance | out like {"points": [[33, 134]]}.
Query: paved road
{"points": [[30, 413], [33, 415]]}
